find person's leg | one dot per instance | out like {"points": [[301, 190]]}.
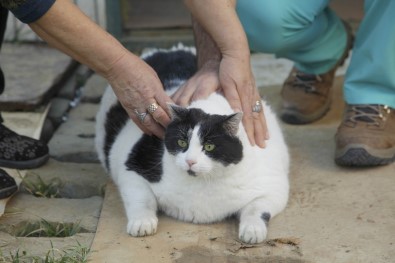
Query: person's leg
{"points": [[370, 78], [310, 34], [366, 136], [8, 185], [306, 32], [17, 151]]}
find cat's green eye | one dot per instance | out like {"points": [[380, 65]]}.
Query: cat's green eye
{"points": [[182, 143], [209, 147]]}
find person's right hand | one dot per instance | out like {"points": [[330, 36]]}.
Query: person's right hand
{"points": [[137, 86], [238, 86]]}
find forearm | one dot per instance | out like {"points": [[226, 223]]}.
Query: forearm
{"points": [[206, 49], [66, 28], [219, 19]]}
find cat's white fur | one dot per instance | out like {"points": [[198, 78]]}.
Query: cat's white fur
{"points": [[257, 184]]}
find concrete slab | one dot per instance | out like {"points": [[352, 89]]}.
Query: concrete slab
{"points": [[33, 74], [73, 180], [73, 141], [27, 208], [334, 214]]}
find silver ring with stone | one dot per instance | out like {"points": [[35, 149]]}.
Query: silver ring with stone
{"points": [[257, 106], [152, 107], [141, 116]]}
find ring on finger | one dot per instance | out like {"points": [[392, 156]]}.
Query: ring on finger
{"points": [[140, 115], [152, 107], [257, 107]]}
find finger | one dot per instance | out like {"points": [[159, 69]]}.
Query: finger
{"points": [[265, 131], [183, 95], [158, 114], [176, 95], [248, 122], [232, 96], [139, 124], [142, 127], [206, 89], [149, 126], [248, 119], [154, 127], [259, 128]]}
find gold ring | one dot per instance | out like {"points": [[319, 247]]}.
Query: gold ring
{"points": [[152, 108]]}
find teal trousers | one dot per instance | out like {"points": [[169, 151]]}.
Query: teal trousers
{"points": [[309, 33]]}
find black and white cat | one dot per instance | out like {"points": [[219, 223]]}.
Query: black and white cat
{"points": [[204, 171]]}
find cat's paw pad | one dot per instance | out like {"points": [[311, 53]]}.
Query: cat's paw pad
{"points": [[142, 227], [253, 233]]}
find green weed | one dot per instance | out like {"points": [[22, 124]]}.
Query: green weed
{"points": [[36, 186], [43, 228], [75, 254]]}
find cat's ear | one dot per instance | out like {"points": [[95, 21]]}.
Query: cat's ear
{"points": [[232, 123], [177, 112]]}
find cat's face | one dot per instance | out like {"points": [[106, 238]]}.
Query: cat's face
{"points": [[203, 143]]}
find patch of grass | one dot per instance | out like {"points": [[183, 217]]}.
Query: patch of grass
{"points": [[75, 254], [44, 228], [36, 186]]}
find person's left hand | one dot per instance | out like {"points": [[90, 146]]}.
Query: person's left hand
{"points": [[199, 86]]}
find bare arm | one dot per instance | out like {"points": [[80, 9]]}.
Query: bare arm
{"points": [[206, 80], [219, 20], [134, 82]]}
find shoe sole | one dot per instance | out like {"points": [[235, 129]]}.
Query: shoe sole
{"points": [[25, 164], [361, 155], [7, 192]]}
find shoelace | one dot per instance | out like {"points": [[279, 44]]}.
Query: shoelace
{"points": [[371, 113], [306, 81]]}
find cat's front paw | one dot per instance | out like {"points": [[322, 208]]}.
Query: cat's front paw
{"points": [[252, 232], [142, 227]]}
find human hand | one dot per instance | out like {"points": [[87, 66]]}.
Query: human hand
{"points": [[138, 88], [199, 86], [238, 86]]}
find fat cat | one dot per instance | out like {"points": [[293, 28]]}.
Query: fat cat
{"points": [[205, 169]]}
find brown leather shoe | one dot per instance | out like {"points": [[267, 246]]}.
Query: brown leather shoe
{"points": [[366, 136], [307, 97]]}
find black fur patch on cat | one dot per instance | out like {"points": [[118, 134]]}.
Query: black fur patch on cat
{"points": [[115, 120], [266, 217], [170, 66], [146, 158], [228, 148]]}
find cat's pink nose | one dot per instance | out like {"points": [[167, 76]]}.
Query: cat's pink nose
{"points": [[191, 162]]}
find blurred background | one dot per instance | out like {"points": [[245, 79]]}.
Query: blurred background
{"points": [[153, 22]]}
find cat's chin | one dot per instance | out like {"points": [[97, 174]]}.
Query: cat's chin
{"points": [[196, 173], [192, 173]]}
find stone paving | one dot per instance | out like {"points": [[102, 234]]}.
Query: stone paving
{"points": [[73, 173], [334, 214]]}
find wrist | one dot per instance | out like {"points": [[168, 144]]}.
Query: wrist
{"points": [[119, 63]]}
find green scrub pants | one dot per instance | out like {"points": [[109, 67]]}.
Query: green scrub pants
{"points": [[309, 33]]}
